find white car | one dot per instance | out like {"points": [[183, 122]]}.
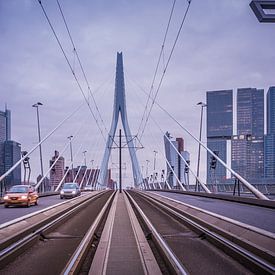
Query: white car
{"points": [[70, 190]]}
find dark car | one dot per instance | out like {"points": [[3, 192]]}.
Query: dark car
{"points": [[21, 195], [70, 190]]}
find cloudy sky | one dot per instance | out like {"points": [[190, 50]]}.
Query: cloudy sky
{"points": [[221, 46]]}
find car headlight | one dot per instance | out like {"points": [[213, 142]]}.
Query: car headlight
{"points": [[74, 192], [61, 192], [6, 197], [24, 197]]}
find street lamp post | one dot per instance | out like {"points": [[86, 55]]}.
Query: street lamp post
{"points": [[36, 105], [155, 154], [85, 163], [154, 172], [71, 151], [199, 152], [147, 162], [92, 161], [84, 153]]}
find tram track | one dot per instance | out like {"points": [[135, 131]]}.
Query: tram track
{"points": [[195, 248], [48, 249], [85, 239]]}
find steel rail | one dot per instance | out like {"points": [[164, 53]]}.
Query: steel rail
{"points": [[258, 262], [74, 264], [170, 256], [19, 244]]}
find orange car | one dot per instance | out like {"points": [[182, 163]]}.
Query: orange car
{"points": [[21, 195]]}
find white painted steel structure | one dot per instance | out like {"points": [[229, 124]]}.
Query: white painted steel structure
{"points": [[120, 108]]}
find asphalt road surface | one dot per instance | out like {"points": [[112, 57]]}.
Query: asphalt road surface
{"points": [[257, 216], [8, 214]]}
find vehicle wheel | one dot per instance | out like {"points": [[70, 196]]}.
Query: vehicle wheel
{"points": [[61, 197], [6, 206]]}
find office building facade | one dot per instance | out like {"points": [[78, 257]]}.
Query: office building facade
{"points": [[248, 145], [57, 172], [5, 134], [219, 131], [10, 152], [5, 125], [269, 139], [176, 170]]}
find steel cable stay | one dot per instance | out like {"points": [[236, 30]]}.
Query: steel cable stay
{"points": [[61, 153], [70, 163], [166, 160], [166, 66], [171, 168], [83, 162], [249, 186], [157, 66], [80, 64], [42, 141], [71, 68], [178, 153], [65, 148], [95, 155], [92, 157], [184, 160]]}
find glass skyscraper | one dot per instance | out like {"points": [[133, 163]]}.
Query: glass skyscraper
{"points": [[5, 134], [10, 152], [250, 112], [219, 130], [248, 146], [5, 125], [269, 139]]}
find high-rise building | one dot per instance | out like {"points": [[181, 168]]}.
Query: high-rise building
{"points": [[177, 165], [219, 130], [5, 134], [250, 112], [248, 145], [57, 172], [269, 139], [270, 102], [5, 125], [12, 154]]}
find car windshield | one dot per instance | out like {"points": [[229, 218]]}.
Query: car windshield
{"points": [[69, 186], [18, 189]]}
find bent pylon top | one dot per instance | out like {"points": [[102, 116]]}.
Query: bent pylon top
{"points": [[119, 108]]}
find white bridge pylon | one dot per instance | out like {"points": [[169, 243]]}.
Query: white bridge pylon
{"points": [[119, 108]]}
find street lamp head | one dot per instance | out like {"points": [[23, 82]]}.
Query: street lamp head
{"points": [[202, 104], [37, 104]]}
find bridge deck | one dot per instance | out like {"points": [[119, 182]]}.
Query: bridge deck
{"points": [[123, 247], [119, 250], [257, 216]]}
